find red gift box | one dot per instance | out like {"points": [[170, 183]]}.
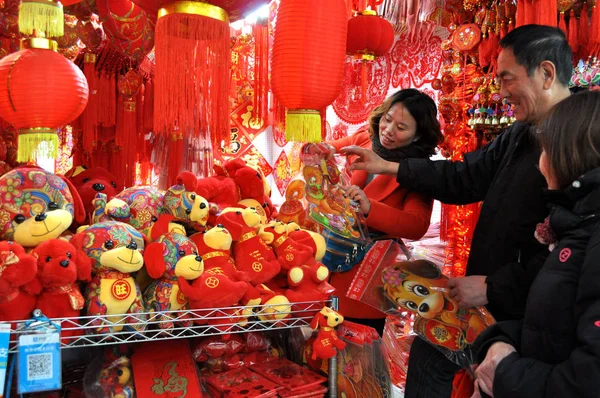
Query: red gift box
{"points": [[165, 369]]}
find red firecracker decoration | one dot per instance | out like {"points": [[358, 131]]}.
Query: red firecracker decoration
{"points": [[191, 89], [40, 91], [308, 62]]}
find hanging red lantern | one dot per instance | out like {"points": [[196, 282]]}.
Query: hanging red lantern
{"points": [[40, 91], [308, 62], [369, 36]]}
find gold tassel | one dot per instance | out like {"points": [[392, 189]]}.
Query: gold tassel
{"points": [[303, 125], [42, 16], [34, 143]]}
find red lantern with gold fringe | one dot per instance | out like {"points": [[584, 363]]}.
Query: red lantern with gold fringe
{"points": [[369, 36], [40, 91], [191, 88], [309, 51]]}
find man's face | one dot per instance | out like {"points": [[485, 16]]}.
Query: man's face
{"points": [[523, 92]]}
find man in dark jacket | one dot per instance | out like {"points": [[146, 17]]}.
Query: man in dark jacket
{"points": [[534, 68]]}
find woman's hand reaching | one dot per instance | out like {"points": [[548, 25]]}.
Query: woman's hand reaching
{"points": [[369, 161], [358, 195]]}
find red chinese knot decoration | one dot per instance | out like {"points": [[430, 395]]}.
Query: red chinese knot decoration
{"points": [[308, 62], [40, 91]]}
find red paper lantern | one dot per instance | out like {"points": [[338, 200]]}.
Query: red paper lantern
{"points": [[308, 62], [40, 91], [369, 36]]}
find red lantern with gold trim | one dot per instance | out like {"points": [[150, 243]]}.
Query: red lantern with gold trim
{"points": [[40, 91], [309, 51], [369, 36]]}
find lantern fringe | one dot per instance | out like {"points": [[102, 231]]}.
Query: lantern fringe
{"points": [[303, 125], [520, 15], [34, 144], [192, 77], [46, 17]]}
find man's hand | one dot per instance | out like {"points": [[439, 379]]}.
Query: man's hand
{"points": [[469, 291], [487, 369], [369, 161]]}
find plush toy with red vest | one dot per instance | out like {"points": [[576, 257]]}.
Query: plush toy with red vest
{"points": [[172, 256], [60, 267], [36, 205], [116, 250], [326, 343], [251, 254], [290, 253], [17, 292]]}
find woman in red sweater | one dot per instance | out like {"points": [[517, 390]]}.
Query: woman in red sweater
{"points": [[404, 126]]}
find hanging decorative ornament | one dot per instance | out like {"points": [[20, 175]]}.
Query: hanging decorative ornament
{"points": [[191, 86], [369, 36], [40, 91], [307, 68], [42, 16], [466, 37]]}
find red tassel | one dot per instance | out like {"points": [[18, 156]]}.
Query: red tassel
{"points": [[562, 24], [529, 12], [484, 52], [520, 15], [261, 73], [573, 33], [503, 29], [584, 28], [545, 12]]}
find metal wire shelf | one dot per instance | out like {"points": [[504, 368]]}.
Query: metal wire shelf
{"points": [[298, 314]]}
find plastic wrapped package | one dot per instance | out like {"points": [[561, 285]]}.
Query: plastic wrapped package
{"points": [[396, 348], [110, 375], [418, 287]]}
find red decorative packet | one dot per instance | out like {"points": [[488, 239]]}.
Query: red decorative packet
{"points": [[165, 369], [368, 278], [243, 383], [288, 374]]}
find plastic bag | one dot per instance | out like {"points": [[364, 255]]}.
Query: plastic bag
{"points": [[399, 287]]}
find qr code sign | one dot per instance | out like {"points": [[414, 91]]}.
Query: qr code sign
{"points": [[39, 366]]}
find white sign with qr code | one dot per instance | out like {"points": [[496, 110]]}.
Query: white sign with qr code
{"points": [[39, 362]]}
